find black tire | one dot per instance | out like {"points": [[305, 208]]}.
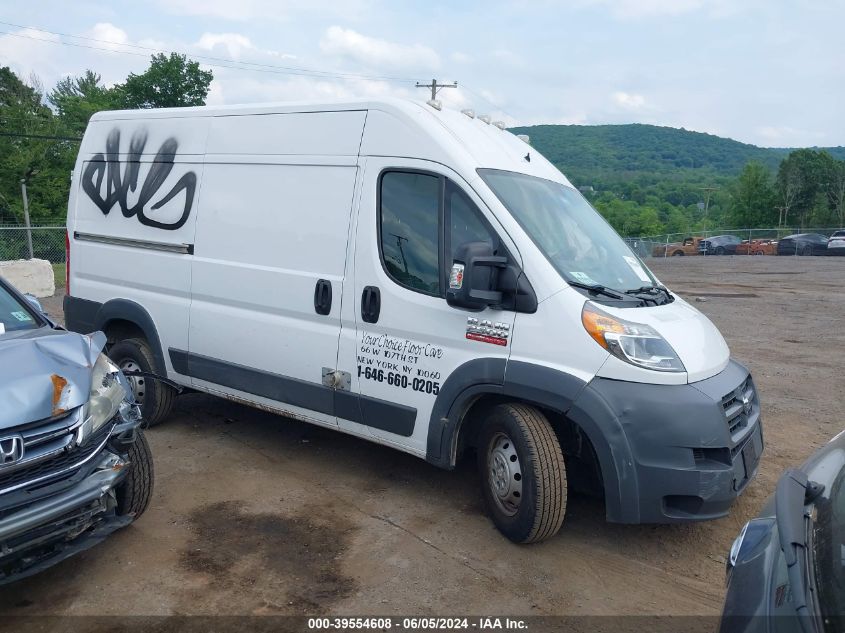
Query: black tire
{"points": [[537, 473], [154, 397], [678, 254], [807, 250], [134, 494], [720, 250]]}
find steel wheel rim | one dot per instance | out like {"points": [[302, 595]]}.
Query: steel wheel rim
{"points": [[138, 383], [504, 474]]}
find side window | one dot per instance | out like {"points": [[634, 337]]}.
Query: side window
{"points": [[465, 223], [410, 229]]}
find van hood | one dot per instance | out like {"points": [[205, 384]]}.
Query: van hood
{"points": [[45, 374], [692, 335]]}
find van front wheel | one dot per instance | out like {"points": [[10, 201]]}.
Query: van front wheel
{"points": [[523, 475], [154, 397]]}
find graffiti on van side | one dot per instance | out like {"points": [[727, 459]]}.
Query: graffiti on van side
{"points": [[119, 183]]}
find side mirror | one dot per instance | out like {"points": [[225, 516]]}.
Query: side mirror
{"points": [[473, 277], [34, 302]]}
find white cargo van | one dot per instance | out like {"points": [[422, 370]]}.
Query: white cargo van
{"points": [[418, 277]]}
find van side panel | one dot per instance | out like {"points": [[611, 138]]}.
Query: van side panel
{"points": [[136, 191], [271, 227]]}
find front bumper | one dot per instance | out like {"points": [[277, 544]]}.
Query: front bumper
{"points": [[69, 510], [679, 452]]}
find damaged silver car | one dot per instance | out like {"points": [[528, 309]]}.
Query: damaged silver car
{"points": [[74, 464]]}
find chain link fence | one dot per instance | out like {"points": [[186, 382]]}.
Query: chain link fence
{"points": [[732, 242], [37, 242]]}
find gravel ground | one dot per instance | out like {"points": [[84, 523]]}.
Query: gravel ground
{"points": [[257, 514]]}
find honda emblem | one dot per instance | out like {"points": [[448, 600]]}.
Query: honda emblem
{"points": [[11, 450]]}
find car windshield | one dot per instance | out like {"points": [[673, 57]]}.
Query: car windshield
{"points": [[829, 546], [14, 315], [572, 235]]}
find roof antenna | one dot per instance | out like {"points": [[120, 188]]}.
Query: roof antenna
{"points": [[528, 157]]}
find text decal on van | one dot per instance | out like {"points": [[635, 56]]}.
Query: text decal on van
{"points": [[119, 185]]}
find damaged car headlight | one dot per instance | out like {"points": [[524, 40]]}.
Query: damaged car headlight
{"points": [[110, 394], [635, 343]]}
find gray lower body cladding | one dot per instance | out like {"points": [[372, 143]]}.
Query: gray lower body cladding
{"points": [[673, 453]]}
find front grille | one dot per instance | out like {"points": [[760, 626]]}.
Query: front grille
{"points": [[50, 453], [739, 406]]}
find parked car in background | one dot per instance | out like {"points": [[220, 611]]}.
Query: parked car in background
{"points": [[786, 569], [757, 247], [719, 245], [74, 466], [689, 246], [803, 244], [836, 243]]}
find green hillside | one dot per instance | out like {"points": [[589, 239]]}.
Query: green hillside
{"points": [[588, 153]]}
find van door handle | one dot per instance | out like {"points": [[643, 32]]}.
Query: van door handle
{"points": [[370, 304], [323, 297]]}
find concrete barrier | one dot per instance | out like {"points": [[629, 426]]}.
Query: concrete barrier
{"points": [[34, 276]]}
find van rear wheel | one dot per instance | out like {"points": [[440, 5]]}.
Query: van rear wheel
{"points": [[154, 397], [523, 475]]}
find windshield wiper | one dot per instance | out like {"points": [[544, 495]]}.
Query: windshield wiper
{"points": [[650, 290], [793, 492], [598, 289]]}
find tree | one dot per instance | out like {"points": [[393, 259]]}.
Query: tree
{"points": [[836, 191], [27, 152], [170, 82], [77, 98], [753, 197], [805, 175], [790, 181]]}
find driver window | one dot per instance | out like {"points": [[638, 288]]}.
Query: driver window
{"points": [[465, 222]]}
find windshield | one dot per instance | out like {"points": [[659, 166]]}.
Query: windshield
{"points": [[829, 546], [14, 315], [572, 235]]}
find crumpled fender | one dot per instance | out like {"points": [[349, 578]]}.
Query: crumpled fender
{"points": [[40, 377]]}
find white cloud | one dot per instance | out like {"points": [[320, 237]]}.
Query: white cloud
{"points": [[232, 43], [28, 51], [108, 35], [377, 53], [460, 58], [629, 100]]}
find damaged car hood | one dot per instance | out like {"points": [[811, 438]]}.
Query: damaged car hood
{"points": [[45, 374]]}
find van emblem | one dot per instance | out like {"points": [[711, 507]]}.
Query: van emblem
{"points": [[486, 331], [11, 450], [119, 184], [746, 404]]}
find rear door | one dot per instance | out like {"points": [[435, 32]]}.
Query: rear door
{"points": [[133, 215], [270, 259], [407, 340]]}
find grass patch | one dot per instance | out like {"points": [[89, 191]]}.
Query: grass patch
{"points": [[59, 274]]}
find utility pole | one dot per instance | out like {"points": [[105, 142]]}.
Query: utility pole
{"points": [[436, 86], [399, 239], [26, 218]]}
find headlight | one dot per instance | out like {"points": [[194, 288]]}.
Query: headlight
{"points": [[635, 343], [109, 391]]}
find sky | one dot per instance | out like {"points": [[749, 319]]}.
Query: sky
{"points": [[767, 72]]}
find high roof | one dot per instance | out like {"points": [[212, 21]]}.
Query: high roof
{"points": [[395, 127]]}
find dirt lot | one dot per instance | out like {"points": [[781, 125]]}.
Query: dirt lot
{"points": [[255, 514]]}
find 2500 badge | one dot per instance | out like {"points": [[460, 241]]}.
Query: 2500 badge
{"points": [[399, 380]]}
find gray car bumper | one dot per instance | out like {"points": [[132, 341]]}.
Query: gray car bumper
{"points": [[675, 452], [48, 531]]}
